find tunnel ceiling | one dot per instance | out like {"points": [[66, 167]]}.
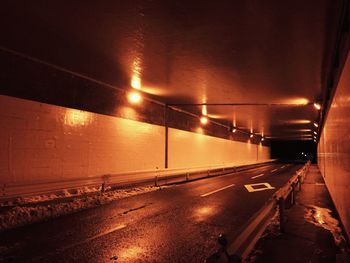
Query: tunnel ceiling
{"points": [[186, 52]]}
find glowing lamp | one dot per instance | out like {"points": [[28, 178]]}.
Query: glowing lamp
{"points": [[204, 120], [134, 97], [315, 124], [251, 135], [317, 106]]}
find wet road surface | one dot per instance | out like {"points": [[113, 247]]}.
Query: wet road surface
{"points": [[180, 223]]}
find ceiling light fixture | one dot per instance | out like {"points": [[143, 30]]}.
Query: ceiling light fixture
{"points": [[315, 133], [251, 135], [315, 124], [262, 139], [204, 120], [234, 130], [317, 106], [134, 97]]}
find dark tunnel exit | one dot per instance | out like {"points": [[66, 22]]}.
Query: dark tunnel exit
{"points": [[296, 151]]}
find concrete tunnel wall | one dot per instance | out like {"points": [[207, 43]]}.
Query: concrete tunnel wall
{"points": [[43, 142], [334, 148]]}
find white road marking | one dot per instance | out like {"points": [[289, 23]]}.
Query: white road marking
{"points": [[259, 175], [118, 227], [106, 232], [265, 186], [283, 166], [274, 170], [217, 190]]}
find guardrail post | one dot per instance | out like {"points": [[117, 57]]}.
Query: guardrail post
{"points": [[299, 180], [105, 180], [280, 203], [292, 199]]}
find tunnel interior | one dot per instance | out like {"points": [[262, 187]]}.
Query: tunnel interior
{"points": [[104, 95]]}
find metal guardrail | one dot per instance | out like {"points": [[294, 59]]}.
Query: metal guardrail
{"points": [[252, 231], [156, 177]]}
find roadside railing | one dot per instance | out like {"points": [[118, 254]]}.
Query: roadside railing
{"points": [[157, 177], [238, 250]]}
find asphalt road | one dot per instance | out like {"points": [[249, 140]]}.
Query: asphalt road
{"points": [[180, 223]]}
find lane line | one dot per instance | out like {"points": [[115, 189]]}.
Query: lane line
{"points": [[274, 170], [119, 227], [217, 190], [259, 175]]}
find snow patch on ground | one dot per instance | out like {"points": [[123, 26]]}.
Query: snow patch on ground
{"points": [[53, 196], [29, 210], [322, 217]]}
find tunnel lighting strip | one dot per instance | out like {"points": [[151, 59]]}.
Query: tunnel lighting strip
{"points": [[234, 129], [172, 106], [241, 104]]}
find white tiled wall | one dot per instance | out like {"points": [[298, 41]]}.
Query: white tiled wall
{"points": [[187, 149], [46, 142], [334, 148]]}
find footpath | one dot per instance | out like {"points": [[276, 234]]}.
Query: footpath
{"points": [[312, 232]]}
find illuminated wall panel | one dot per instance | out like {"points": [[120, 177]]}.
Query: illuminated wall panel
{"points": [[334, 148], [46, 142], [195, 149], [41, 142]]}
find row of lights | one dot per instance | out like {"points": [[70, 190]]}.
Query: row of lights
{"points": [[204, 120], [135, 97], [318, 107]]}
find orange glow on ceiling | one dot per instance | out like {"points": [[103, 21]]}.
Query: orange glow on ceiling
{"points": [[218, 116], [204, 110], [298, 122], [302, 130], [136, 82], [297, 101]]}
